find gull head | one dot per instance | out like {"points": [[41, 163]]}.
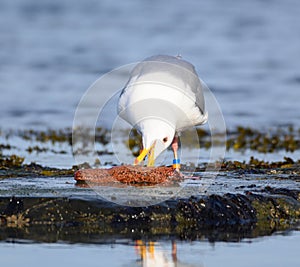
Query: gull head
{"points": [[157, 135]]}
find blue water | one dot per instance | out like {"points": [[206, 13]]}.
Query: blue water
{"points": [[51, 51]]}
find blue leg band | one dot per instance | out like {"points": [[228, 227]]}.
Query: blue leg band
{"points": [[176, 161]]}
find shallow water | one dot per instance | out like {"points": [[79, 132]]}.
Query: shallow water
{"points": [[222, 184], [277, 250]]}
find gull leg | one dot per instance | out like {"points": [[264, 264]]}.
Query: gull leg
{"points": [[176, 160]]}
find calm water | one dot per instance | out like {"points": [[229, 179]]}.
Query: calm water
{"points": [[52, 50], [247, 52], [275, 251]]}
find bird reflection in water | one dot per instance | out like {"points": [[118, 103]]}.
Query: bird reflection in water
{"points": [[152, 254]]}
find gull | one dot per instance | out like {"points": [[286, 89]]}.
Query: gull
{"points": [[162, 97]]}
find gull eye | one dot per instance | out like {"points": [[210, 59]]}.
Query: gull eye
{"points": [[165, 139]]}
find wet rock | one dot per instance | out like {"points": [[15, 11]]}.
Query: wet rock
{"points": [[14, 206], [34, 170], [215, 216]]}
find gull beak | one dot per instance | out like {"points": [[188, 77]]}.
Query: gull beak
{"points": [[144, 153]]}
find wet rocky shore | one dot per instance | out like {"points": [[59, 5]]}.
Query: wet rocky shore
{"points": [[248, 198], [216, 217]]}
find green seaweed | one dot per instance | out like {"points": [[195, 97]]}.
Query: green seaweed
{"points": [[238, 139], [287, 164], [12, 161]]}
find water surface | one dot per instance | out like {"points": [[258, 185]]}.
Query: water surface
{"points": [[52, 51], [277, 250]]}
